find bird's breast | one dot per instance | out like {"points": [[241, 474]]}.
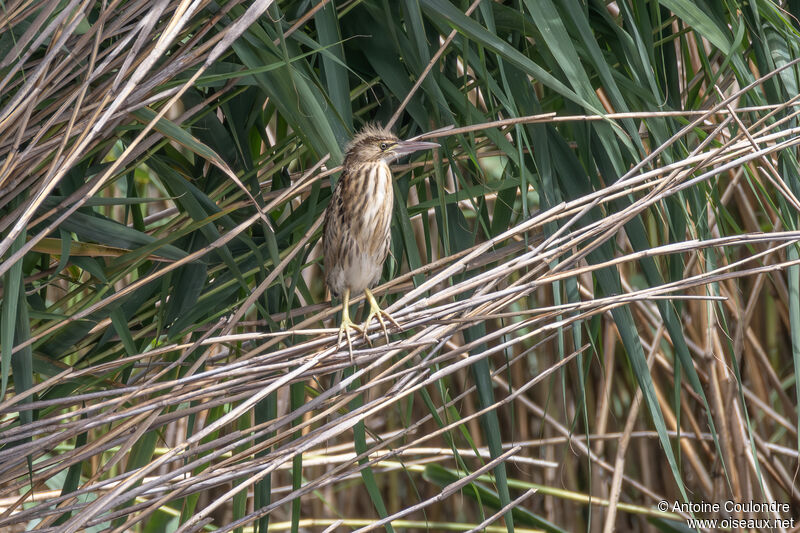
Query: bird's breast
{"points": [[368, 201], [377, 209]]}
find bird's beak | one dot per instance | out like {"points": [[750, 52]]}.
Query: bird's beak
{"points": [[406, 147]]}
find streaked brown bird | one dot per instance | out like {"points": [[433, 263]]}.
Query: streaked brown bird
{"points": [[357, 231]]}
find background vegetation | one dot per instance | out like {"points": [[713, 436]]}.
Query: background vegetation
{"points": [[596, 276]]}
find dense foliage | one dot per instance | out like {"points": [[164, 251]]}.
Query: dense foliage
{"points": [[596, 276]]}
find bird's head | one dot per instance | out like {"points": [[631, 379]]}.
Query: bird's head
{"points": [[373, 144]]}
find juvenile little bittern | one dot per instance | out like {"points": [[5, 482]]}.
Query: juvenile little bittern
{"points": [[357, 223]]}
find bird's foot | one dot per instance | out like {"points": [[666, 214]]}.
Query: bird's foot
{"points": [[376, 311], [344, 329]]}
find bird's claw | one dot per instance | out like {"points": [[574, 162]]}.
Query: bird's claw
{"points": [[376, 311], [344, 329], [379, 314]]}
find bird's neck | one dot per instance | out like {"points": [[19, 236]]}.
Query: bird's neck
{"points": [[368, 183]]}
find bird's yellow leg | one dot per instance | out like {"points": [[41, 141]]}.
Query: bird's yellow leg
{"points": [[376, 311], [344, 328]]}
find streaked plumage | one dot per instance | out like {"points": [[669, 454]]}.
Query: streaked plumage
{"points": [[357, 230], [357, 222]]}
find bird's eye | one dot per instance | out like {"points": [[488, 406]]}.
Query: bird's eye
{"points": [[384, 146]]}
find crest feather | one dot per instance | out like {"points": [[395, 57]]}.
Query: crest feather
{"points": [[371, 130]]}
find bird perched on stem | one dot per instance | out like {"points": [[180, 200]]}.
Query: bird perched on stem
{"points": [[357, 231]]}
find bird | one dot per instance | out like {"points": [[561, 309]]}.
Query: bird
{"points": [[357, 231]]}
